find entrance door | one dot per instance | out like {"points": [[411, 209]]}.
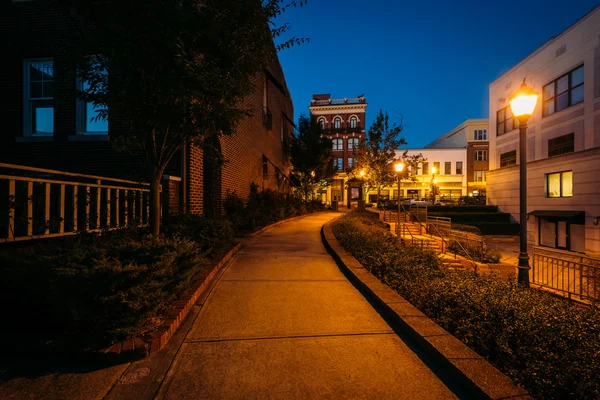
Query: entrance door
{"points": [[336, 195], [561, 234]]}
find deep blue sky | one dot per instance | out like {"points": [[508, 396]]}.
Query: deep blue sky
{"points": [[430, 61]]}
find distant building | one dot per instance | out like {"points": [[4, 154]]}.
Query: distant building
{"points": [[450, 174], [343, 121], [563, 140], [472, 135]]}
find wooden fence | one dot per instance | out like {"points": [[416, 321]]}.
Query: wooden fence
{"points": [[39, 203]]}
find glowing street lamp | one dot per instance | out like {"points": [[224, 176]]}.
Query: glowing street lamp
{"points": [[399, 167], [522, 105], [433, 182]]}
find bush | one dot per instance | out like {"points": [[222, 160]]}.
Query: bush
{"points": [[498, 228], [544, 343], [477, 251], [211, 235], [461, 209], [466, 228], [470, 217], [91, 291]]}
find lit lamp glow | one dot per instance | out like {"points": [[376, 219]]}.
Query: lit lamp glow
{"points": [[362, 172], [522, 105]]}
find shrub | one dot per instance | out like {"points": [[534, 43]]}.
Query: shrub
{"points": [[461, 209], [91, 291], [466, 228], [498, 228], [470, 217], [211, 235], [547, 344]]}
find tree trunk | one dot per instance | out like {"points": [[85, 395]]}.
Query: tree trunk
{"points": [[155, 211]]}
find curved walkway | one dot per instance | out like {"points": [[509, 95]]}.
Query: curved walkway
{"points": [[283, 322]]}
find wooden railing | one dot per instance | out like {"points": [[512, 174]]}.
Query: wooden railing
{"points": [[39, 203]]}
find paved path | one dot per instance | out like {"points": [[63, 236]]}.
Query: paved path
{"points": [[283, 322]]}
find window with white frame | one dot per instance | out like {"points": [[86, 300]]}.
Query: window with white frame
{"points": [[353, 121], [480, 134], [338, 163], [352, 143], [321, 123], [564, 92], [337, 123], [459, 168], [479, 176], [91, 118], [338, 144], [480, 155], [38, 97], [505, 122]]}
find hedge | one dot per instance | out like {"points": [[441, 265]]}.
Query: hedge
{"points": [[466, 228], [547, 344], [463, 218], [498, 228], [461, 209]]}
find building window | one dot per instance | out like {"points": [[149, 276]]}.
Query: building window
{"points": [[508, 158], [338, 163], [479, 176], [480, 155], [559, 184], [505, 122], [448, 168], [480, 134], [338, 144], [89, 118], [353, 121], [38, 97], [561, 145], [321, 123], [436, 165], [350, 162], [337, 123], [425, 168], [459, 168], [563, 92], [352, 143]]}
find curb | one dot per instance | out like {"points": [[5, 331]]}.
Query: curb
{"points": [[135, 348], [474, 372]]}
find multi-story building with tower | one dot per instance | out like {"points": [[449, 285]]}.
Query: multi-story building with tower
{"points": [[343, 121]]}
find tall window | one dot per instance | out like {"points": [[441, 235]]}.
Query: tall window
{"points": [[337, 123], [425, 168], [338, 163], [480, 134], [480, 155], [561, 145], [321, 122], [350, 162], [563, 92], [338, 144], [479, 176], [436, 165], [559, 184], [459, 168], [352, 143], [505, 122], [39, 93], [447, 168], [509, 158], [88, 114], [353, 121]]}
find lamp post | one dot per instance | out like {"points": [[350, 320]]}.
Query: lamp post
{"points": [[399, 166], [522, 104], [433, 182], [362, 189]]}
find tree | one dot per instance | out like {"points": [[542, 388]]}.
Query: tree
{"points": [[177, 71], [312, 157], [377, 152]]}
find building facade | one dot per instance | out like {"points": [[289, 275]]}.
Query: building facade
{"points": [[563, 140], [46, 126], [343, 121], [472, 135], [449, 179]]}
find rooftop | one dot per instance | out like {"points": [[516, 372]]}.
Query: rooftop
{"points": [[326, 100]]}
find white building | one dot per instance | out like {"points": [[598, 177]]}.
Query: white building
{"points": [[563, 140], [450, 166]]}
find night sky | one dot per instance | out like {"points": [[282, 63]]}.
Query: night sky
{"points": [[428, 61]]}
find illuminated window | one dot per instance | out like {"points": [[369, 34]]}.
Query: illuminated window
{"points": [[559, 184]]}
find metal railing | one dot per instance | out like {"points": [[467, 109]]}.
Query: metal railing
{"points": [[357, 100], [40, 203], [576, 276]]}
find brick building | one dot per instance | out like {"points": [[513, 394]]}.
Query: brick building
{"points": [[44, 125], [343, 121]]}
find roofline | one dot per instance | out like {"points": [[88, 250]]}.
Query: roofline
{"points": [[546, 44], [462, 125]]}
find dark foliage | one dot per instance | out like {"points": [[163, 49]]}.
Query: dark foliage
{"points": [[547, 344], [461, 209]]}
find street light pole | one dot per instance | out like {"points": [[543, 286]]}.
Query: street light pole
{"points": [[433, 181], [522, 104], [399, 166]]}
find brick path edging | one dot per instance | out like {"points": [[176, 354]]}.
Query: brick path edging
{"points": [[135, 348], [474, 372]]}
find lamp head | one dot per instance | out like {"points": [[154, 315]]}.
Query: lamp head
{"points": [[434, 181], [433, 170], [362, 172], [399, 166], [523, 101]]}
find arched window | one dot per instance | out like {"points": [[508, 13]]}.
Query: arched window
{"points": [[337, 123], [321, 122], [338, 144], [352, 143], [353, 121]]}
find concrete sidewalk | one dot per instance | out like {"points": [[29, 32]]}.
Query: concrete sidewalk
{"points": [[283, 322]]}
